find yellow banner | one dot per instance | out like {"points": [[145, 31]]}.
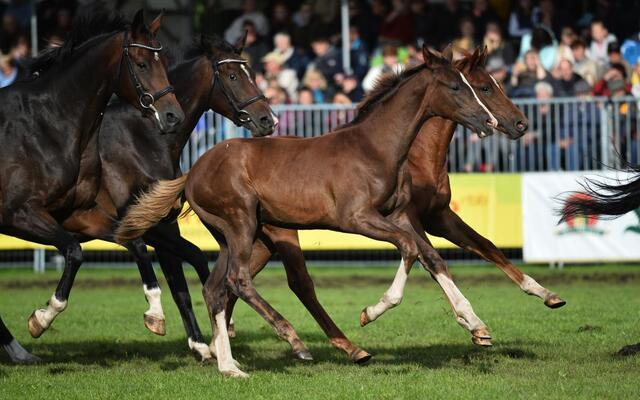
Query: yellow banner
{"points": [[489, 203]]}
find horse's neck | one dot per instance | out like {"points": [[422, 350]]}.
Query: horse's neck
{"points": [[430, 147], [83, 90], [393, 125], [193, 97]]}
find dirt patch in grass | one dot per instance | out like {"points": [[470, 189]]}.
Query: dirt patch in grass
{"points": [[630, 350], [589, 328]]}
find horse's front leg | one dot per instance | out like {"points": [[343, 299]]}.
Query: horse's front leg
{"points": [[436, 266], [450, 226]]}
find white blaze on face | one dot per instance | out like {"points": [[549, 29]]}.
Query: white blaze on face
{"points": [[156, 56], [496, 83], [493, 120], [246, 71]]}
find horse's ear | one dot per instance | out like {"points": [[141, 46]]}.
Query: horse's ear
{"points": [[138, 22], [155, 24], [482, 57], [447, 53], [239, 46], [469, 62], [431, 60]]}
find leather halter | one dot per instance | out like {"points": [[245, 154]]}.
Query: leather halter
{"points": [[145, 98], [240, 116]]}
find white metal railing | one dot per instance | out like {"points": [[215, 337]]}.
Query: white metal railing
{"points": [[564, 134]]}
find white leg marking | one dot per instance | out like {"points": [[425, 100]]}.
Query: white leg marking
{"points": [[226, 363], [201, 349], [494, 121], [530, 286], [155, 305], [461, 306], [45, 316], [18, 354], [393, 296]]}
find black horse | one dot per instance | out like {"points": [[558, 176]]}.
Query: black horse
{"points": [[211, 75], [49, 163]]}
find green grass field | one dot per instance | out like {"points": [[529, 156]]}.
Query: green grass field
{"points": [[99, 347]]}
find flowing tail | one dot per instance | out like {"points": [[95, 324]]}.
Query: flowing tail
{"points": [[149, 208], [599, 198]]}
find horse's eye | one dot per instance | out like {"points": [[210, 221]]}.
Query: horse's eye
{"points": [[485, 89], [455, 87], [233, 77], [142, 65]]}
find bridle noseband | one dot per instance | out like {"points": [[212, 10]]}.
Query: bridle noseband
{"points": [[240, 116], [145, 98]]}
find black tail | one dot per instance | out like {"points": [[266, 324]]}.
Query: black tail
{"points": [[600, 198]]}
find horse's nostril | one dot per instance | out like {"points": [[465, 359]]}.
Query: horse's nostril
{"points": [[521, 126], [266, 122]]}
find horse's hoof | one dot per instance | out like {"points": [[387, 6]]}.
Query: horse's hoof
{"points": [[364, 318], [360, 356], [481, 337], [304, 355], [35, 329], [554, 301], [231, 331], [155, 324], [234, 373]]}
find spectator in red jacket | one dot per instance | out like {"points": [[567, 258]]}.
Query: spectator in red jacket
{"points": [[614, 83]]}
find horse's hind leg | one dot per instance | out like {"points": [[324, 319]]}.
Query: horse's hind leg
{"points": [[450, 226], [16, 352], [261, 252], [154, 319], [172, 269], [288, 246]]}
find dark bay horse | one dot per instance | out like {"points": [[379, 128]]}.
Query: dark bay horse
{"points": [[429, 206], [211, 75], [352, 180], [49, 163]]}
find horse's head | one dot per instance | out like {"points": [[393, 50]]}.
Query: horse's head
{"points": [[233, 92], [511, 121], [143, 78], [449, 95]]}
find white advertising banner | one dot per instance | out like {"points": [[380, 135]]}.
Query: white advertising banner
{"points": [[580, 239]]}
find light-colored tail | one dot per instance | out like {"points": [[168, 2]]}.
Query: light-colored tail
{"points": [[150, 208]]}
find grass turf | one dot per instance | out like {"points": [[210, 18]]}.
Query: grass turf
{"points": [[99, 347]]}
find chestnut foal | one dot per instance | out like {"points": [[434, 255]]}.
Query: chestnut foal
{"points": [[429, 207], [363, 187]]}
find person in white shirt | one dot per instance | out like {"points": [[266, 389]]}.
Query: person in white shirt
{"points": [[600, 39]]}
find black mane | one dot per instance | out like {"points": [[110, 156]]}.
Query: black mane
{"points": [[86, 26], [386, 86]]}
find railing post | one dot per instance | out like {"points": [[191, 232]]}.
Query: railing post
{"points": [[38, 260], [605, 130]]}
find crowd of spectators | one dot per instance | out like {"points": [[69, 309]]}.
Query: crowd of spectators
{"points": [[54, 22], [295, 45], [575, 46]]}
